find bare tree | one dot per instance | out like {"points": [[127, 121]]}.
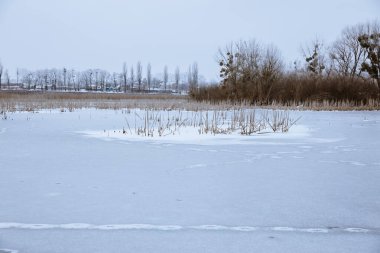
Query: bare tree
{"points": [[1, 73], [241, 65], [29, 79], [96, 79], [177, 79], [249, 70], [55, 78], [46, 82], [270, 71], [231, 61], [17, 76], [125, 74], [78, 81], [370, 42], [149, 75], [272, 64], [74, 75], [71, 79], [166, 76], [38, 80], [114, 79], [64, 77], [194, 75], [189, 79], [103, 76], [132, 78], [346, 54], [156, 83], [7, 78], [314, 57], [87, 78], [248, 59], [139, 74]]}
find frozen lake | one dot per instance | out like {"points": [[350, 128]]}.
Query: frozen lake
{"points": [[66, 185]]}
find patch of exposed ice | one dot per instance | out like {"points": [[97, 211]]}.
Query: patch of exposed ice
{"points": [[8, 251], [198, 165], [110, 227], [209, 227], [355, 163], [53, 194], [357, 230]]}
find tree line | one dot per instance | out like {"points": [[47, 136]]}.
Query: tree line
{"points": [[132, 79], [346, 70]]}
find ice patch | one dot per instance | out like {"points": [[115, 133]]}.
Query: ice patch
{"points": [[358, 163], [357, 230], [110, 227], [355, 163], [199, 165], [244, 229], [76, 226], [10, 225], [8, 251], [327, 152], [326, 140], [53, 194], [138, 227], [349, 149], [287, 229], [196, 149], [326, 161], [314, 230], [210, 227], [345, 148], [289, 152]]}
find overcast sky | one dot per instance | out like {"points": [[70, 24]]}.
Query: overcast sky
{"points": [[82, 34]]}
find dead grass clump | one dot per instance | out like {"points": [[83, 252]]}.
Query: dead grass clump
{"points": [[152, 123]]}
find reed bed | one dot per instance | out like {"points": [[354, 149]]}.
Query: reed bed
{"points": [[151, 123], [68, 101]]}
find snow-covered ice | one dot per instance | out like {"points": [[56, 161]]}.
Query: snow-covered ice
{"points": [[73, 182]]}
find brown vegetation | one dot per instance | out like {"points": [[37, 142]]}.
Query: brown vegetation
{"points": [[35, 100], [345, 73], [292, 89]]}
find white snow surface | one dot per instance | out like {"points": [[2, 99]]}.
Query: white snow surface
{"points": [[73, 182], [191, 135]]}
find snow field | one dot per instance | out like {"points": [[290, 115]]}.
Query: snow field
{"points": [[73, 182]]}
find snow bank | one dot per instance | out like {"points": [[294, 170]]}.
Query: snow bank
{"points": [[191, 135]]}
